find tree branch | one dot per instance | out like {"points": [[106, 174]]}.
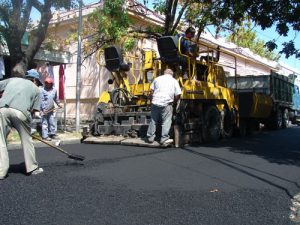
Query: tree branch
{"points": [[179, 16], [26, 15], [39, 34], [36, 4]]}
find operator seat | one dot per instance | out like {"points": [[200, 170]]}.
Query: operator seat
{"points": [[211, 58], [168, 49], [114, 60]]}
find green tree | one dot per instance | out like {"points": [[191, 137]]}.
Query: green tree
{"points": [[244, 36], [224, 14], [284, 15], [106, 25], [15, 21], [111, 24]]}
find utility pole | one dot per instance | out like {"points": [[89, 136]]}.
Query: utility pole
{"points": [[78, 74]]}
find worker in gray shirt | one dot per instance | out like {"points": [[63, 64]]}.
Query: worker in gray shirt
{"points": [[20, 100]]}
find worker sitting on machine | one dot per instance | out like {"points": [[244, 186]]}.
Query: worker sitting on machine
{"points": [[187, 48]]}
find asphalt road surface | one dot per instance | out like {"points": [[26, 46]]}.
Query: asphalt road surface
{"points": [[238, 181]]}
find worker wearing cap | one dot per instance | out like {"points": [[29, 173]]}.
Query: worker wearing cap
{"points": [[20, 100], [48, 101]]}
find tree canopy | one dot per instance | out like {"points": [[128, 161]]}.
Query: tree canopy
{"points": [[113, 23], [225, 14], [244, 36], [229, 14], [106, 25], [15, 21]]}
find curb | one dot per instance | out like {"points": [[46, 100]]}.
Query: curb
{"points": [[37, 144]]}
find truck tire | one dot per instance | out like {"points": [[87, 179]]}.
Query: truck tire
{"points": [[285, 119], [278, 118], [275, 122], [211, 129]]}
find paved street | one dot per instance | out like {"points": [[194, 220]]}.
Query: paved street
{"points": [[237, 181]]}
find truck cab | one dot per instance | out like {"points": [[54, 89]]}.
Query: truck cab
{"points": [[296, 106]]}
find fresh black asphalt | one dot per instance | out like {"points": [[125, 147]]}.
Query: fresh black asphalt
{"points": [[236, 181]]}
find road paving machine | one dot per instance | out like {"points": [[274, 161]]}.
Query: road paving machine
{"points": [[125, 109]]}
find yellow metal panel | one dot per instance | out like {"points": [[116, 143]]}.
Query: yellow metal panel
{"points": [[262, 105], [140, 89], [104, 97], [207, 91], [149, 56], [126, 84]]}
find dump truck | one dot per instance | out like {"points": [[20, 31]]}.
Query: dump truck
{"points": [[263, 100]]}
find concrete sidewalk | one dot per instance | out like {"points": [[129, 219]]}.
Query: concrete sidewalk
{"points": [[63, 137]]}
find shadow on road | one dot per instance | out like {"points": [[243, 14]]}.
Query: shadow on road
{"points": [[280, 146], [246, 170], [17, 168]]}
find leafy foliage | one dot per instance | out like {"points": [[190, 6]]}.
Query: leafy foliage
{"points": [[15, 20], [110, 24], [244, 36], [226, 14], [107, 25], [284, 15]]}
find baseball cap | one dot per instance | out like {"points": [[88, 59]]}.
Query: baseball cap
{"points": [[34, 74], [49, 80]]}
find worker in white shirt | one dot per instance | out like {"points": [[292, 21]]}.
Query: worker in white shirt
{"points": [[165, 91]]}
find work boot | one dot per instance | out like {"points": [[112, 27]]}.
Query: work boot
{"points": [[167, 142], [149, 140], [47, 139], [3, 177], [37, 171], [53, 136]]}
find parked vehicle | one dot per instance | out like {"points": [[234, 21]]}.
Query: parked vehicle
{"points": [[263, 99], [295, 113]]}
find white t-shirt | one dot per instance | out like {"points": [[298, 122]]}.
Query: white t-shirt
{"points": [[164, 88]]}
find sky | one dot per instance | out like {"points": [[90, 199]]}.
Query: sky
{"points": [[270, 34], [266, 35]]}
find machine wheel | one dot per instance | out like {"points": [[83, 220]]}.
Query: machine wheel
{"points": [[183, 110], [212, 124], [228, 125], [285, 119]]}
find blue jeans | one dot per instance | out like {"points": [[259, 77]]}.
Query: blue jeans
{"points": [[159, 114], [48, 125]]}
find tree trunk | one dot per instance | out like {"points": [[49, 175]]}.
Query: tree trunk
{"points": [[18, 62], [20, 58]]}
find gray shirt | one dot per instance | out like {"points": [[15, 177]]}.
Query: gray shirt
{"points": [[20, 94]]}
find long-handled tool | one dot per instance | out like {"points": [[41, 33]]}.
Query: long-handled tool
{"points": [[52, 110], [71, 156]]}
